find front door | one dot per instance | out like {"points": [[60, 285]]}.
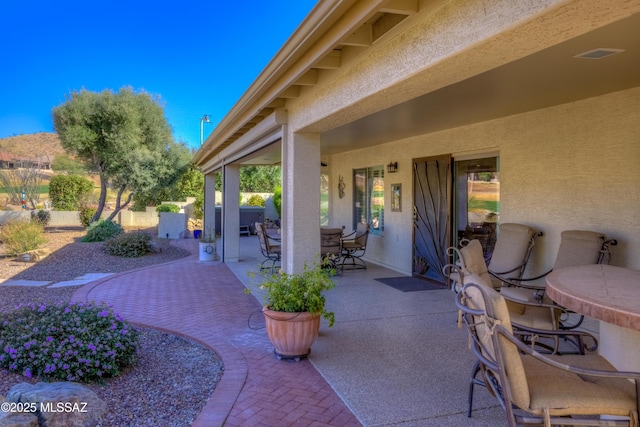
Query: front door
{"points": [[432, 178]]}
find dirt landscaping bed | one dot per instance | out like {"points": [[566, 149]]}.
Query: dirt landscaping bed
{"points": [[173, 377]]}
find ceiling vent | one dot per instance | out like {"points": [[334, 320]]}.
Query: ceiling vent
{"points": [[598, 53]]}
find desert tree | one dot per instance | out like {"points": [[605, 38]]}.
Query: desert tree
{"points": [[122, 136]]}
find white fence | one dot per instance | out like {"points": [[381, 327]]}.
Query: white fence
{"points": [[72, 219]]}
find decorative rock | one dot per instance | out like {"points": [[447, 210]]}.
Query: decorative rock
{"points": [[35, 255], [8, 418], [61, 404]]}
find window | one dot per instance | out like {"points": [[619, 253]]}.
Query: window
{"points": [[324, 199], [368, 198]]}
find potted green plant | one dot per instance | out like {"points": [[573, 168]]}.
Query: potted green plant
{"points": [[293, 306], [207, 245]]}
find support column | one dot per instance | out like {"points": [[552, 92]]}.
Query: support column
{"points": [[231, 213], [300, 200], [209, 208]]}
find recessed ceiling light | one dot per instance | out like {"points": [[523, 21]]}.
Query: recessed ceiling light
{"points": [[598, 53]]}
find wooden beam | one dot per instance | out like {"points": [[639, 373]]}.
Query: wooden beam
{"points": [[290, 92], [363, 37], [309, 78], [330, 62], [401, 7]]}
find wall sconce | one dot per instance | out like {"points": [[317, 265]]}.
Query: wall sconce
{"points": [[392, 167]]}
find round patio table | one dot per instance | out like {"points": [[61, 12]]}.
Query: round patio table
{"points": [[609, 294]]}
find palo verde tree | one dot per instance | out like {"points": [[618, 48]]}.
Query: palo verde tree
{"points": [[123, 137]]}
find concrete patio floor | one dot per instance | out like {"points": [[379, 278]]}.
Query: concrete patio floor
{"points": [[392, 359]]}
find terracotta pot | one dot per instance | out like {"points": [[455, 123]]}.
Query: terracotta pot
{"points": [[291, 333]]}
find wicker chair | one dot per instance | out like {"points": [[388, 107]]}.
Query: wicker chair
{"points": [[539, 389]]}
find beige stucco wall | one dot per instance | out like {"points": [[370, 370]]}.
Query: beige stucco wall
{"points": [[573, 166], [445, 43], [567, 167]]}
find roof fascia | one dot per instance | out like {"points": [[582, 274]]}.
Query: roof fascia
{"points": [[318, 33]]}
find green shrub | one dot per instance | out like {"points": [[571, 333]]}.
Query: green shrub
{"points": [[256, 200], [198, 204], [129, 245], [86, 213], [102, 230], [168, 207], [66, 191], [19, 237], [72, 342], [277, 200], [42, 217]]}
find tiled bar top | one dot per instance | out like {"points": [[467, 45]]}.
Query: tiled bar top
{"points": [[603, 292]]}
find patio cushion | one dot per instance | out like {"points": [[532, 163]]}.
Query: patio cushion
{"points": [[572, 394], [511, 249], [495, 305], [473, 260], [578, 247]]}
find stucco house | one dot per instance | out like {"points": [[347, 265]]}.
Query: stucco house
{"points": [[543, 97]]}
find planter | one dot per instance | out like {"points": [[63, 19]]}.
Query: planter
{"points": [[291, 333], [207, 251]]}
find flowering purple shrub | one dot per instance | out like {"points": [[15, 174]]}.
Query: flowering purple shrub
{"points": [[69, 342]]}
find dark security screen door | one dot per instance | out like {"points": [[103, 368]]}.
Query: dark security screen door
{"points": [[432, 180]]}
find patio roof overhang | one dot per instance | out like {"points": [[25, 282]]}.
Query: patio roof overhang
{"points": [[522, 68]]}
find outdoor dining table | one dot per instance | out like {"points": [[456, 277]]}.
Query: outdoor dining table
{"points": [[611, 295]]}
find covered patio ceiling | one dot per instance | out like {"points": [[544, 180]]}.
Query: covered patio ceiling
{"points": [[551, 77], [548, 77]]}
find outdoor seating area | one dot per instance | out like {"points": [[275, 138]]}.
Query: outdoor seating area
{"points": [[531, 312], [340, 251], [534, 388], [379, 366]]}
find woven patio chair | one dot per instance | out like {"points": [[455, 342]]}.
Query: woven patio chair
{"points": [[539, 389]]}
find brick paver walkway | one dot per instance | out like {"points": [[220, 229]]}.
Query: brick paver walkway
{"points": [[206, 303]]}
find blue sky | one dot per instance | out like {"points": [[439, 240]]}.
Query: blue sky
{"points": [[198, 56]]}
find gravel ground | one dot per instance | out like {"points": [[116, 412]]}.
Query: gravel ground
{"points": [[173, 377]]}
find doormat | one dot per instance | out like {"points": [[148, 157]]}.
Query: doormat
{"points": [[411, 284]]}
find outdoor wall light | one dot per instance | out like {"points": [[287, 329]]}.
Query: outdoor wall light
{"points": [[392, 167]]}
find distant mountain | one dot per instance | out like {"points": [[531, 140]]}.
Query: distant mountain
{"points": [[32, 145]]}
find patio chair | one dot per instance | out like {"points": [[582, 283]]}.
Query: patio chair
{"points": [[353, 247], [539, 389], [470, 260], [510, 256], [271, 251], [330, 245], [535, 318], [511, 252], [577, 247]]}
